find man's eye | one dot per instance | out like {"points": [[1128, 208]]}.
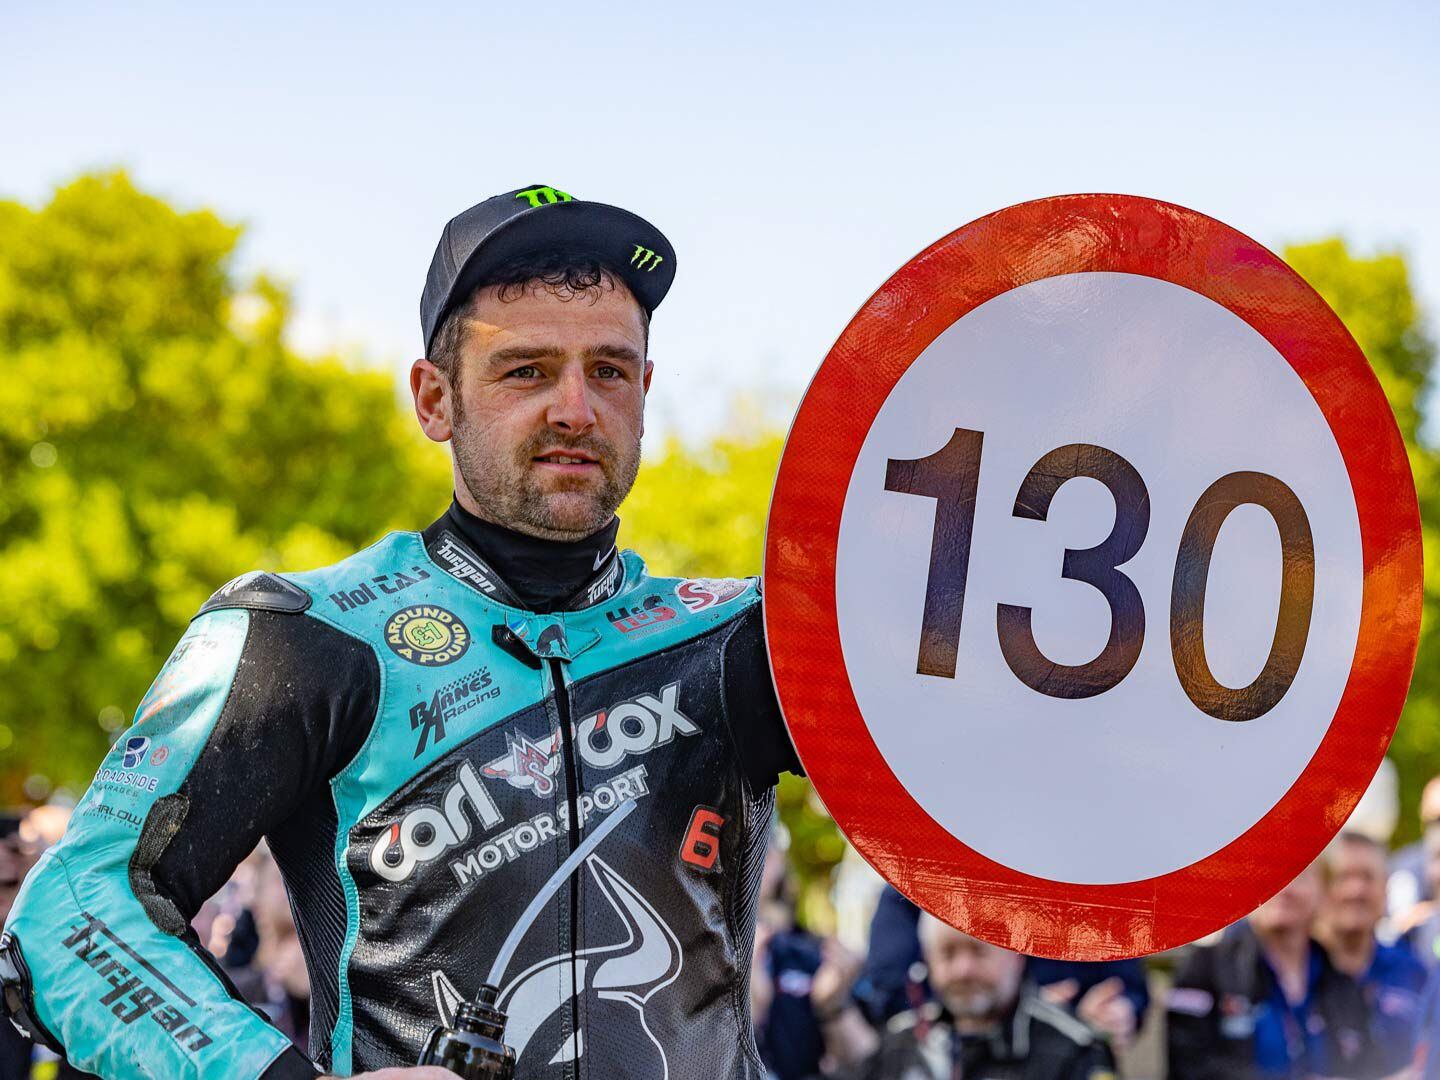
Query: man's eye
{"points": [[608, 371], [528, 371]]}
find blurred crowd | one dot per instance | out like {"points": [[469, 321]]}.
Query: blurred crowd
{"points": [[1336, 976]]}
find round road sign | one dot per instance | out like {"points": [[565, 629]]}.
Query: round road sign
{"points": [[1093, 577]]}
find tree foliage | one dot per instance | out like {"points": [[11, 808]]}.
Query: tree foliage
{"points": [[1373, 298], [156, 439]]}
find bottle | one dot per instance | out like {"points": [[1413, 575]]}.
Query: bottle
{"points": [[474, 1049]]}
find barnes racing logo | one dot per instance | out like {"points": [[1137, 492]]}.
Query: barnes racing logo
{"points": [[526, 764], [427, 832], [697, 594], [427, 635], [452, 699], [650, 615]]}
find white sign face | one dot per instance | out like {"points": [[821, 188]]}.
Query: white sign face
{"points": [[1092, 577], [1135, 781]]}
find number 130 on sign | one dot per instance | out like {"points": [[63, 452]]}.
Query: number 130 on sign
{"points": [[950, 476]]}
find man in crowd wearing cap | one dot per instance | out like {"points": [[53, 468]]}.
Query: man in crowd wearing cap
{"points": [[986, 1021], [492, 751]]}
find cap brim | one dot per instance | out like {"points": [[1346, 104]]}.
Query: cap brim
{"points": [[626, 242]]}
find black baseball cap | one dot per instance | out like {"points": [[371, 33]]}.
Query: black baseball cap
{"points": [[537, 219]]}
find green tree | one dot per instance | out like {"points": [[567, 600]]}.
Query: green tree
{"points": [[1374, 299], [156, 439]]}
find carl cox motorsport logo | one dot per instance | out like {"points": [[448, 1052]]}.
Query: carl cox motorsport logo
{"points": [[604, 740]]}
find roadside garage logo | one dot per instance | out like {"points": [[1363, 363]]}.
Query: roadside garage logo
{"points": [[427, 635]]}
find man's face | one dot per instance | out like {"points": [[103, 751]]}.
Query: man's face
{"points": [[977, 981], [549, 407], [1355, 898], [1292, 908]]}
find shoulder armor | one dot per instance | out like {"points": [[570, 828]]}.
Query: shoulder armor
{"points": [[261, 591]]}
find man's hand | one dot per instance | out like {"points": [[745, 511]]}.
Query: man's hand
{"points": [[838, 970], [419, 1072], [1104, 1007]]}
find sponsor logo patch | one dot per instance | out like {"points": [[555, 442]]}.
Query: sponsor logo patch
{"points": [[134, 984], [427, 635], [427, 832], [378, 586], [450, 701], [527, 764], [136, 748], [651, 614], [697, 594]]}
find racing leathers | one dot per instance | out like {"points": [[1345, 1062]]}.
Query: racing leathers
{"points": [[457, 789]]}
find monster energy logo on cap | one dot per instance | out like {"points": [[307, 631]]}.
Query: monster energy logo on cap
{"points": [[544, 196], [645, 259]]}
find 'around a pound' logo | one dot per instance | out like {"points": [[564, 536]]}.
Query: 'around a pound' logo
{"points": [[427, 635]]}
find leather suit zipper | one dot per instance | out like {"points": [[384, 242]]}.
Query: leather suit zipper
{"points": [[572, 796]]}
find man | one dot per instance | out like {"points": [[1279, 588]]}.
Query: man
{"points": [[1390, 976], [1408, 893], [1111, 996], [1267, 1002], [800, 986], [1423, 936], [986, 1024], [496, 750]]}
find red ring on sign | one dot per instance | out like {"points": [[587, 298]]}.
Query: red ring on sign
{"points": [[991, 256]]}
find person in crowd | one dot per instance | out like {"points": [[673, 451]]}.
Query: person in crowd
{"points": [[15, 1049], [1267, 1002], [1409, 896], [1111, 996], [1392, 979], [985, 1021], [1423, 936], [800, 987], [893, 978]]}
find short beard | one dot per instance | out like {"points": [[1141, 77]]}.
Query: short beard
{"points": [[510, 496], [973, 1005]]}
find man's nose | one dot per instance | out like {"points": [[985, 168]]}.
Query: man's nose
{"points": [[571, 409]]}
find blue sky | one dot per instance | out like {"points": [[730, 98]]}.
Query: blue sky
{"points": [[795, 157]]}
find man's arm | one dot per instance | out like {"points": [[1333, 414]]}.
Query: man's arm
{"points": [[256, 707], [751, 707], [1192, 1024]]}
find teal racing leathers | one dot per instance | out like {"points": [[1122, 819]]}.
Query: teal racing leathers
{"points": [[572, 806]]}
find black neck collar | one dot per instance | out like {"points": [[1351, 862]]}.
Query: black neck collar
{"points": [[526, 571]]}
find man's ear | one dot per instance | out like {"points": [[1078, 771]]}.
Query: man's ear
{"points": [[432, 392]]}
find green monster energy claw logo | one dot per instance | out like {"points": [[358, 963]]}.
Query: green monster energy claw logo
{"points": [[645, 259], [544, 196]]}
